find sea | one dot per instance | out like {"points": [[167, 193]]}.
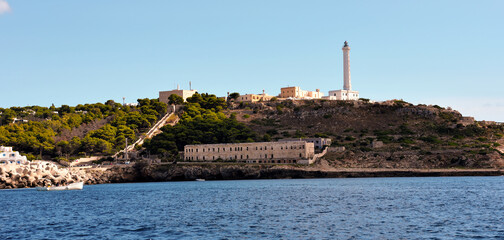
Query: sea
{"points": [[352, 208]]}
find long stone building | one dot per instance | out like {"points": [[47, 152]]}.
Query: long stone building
{"points": [[299, 152], [318, 143]]}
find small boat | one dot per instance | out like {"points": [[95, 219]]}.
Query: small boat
{"points": [[200, 179], [72, 186]]}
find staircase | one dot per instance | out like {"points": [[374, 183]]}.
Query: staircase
{"points": [[153, 131]]}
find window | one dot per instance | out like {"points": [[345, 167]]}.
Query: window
{"points": [[300, 155]]}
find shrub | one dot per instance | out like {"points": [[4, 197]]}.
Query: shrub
{"points": [[326, 116], [365, 149], [431, 139], [272, 132], [349, 138], [246, 116], [321, 135]]}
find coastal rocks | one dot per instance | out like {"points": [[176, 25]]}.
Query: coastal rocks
{"points": [[36, 174]]}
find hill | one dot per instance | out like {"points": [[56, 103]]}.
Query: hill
{"points": [[413, 136]]}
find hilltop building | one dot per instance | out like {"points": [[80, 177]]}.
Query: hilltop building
{"points": [[254, 97], [164, 95], [346, 93], [297, 92], [295, 152]]}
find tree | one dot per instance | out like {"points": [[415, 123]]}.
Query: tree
{"points": [[234, 95], [175, 99]]}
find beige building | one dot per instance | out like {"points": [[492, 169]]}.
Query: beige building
{"points": [[254, 98], [164, 95], [318, 143], [299, 152], [297, 92]]}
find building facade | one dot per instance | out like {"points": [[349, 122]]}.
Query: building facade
{"points": [[297, 92], [344, 95], [318, 143], [254, 98], [295, 152], [164, 95]]}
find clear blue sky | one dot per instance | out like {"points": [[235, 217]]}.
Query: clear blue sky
{"points": [[449, 53]]}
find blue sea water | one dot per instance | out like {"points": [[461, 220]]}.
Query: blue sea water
{"points": [[359, 208]]}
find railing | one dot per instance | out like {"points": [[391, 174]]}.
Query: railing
{"points": [[152, 132]]}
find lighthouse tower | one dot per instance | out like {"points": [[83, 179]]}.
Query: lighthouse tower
{"points": [[347, 85], [346, 93]]}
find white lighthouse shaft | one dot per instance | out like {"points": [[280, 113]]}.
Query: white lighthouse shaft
{"points": [[347, 85]]}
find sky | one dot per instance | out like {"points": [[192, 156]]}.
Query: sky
{"points": [[449, 53]]}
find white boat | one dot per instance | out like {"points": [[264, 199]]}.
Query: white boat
{"points": [[200, 179], [72, 186]]}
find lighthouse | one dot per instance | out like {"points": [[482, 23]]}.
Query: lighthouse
{"points": [[346, 93], [347, 85]]}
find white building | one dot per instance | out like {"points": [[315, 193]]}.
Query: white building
{"points": [[7, 156], [346, 93]]}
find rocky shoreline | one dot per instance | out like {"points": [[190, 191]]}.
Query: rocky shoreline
{"points": [[31, 177], [230, 172]]}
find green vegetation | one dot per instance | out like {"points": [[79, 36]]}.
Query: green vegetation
{"points": [[175, 99], [84, 129], [201, 123], [234, 95]]}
